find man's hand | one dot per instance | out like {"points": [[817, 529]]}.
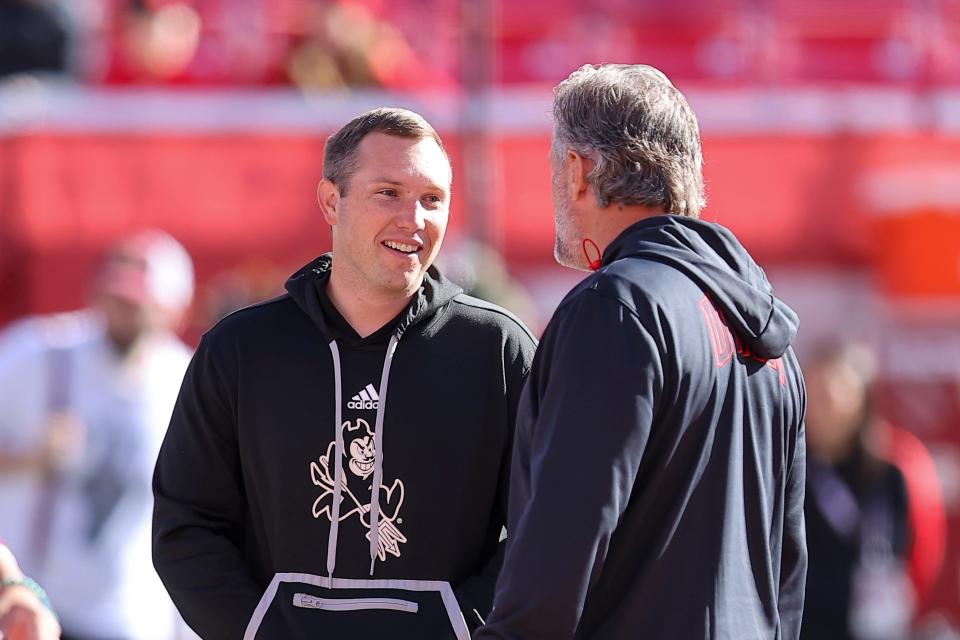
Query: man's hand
{"points": [[24, 617], [63, 446]]}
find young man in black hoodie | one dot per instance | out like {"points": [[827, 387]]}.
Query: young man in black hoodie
{"points": [[336, 465], [658, 472]]}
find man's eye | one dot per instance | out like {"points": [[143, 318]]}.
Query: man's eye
{"points": [[390, 193], [434, 199]]}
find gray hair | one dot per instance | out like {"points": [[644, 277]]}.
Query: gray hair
{"points": [[640, 132], [340, 151]]}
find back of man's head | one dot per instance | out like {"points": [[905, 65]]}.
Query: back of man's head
{"points": [[340, 152], [639, 131]]}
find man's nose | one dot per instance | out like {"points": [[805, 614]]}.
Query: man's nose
{"points": [[412, 216]]}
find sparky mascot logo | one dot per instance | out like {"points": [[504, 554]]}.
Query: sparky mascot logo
{"points": [[359, 460]]}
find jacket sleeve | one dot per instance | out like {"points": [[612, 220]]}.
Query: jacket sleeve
{"points": [[591, 397], [199, 507], [475, 594], [793, 557]]}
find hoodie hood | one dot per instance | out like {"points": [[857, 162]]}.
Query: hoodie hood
{"points": [[711, 256], [308, 288]]}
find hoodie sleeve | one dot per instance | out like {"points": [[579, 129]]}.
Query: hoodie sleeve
{"points": [[199, 506], [588, 409], [475, 594], [793, 557]]}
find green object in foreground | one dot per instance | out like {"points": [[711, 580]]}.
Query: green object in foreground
{"points": [[33, 586]]}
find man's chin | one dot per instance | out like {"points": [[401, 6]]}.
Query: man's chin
{"points": [[410, 283], [564, 259]]}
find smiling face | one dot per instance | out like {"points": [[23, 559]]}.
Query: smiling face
{"points": [[362, 451], [389, 221]]}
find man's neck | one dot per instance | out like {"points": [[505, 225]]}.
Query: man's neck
{"points": [[364, 310], [612, 220]]}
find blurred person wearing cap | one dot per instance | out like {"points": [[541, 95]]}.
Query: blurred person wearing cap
{"points": [[295, 496], [87, 396], [658, 469]]}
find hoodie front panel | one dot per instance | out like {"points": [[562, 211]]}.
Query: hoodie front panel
{"points": [[244, 486], [438, 452]]}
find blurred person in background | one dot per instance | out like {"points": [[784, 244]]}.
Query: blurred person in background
{"points": [[32, 37], [658, 471], [25, 610], [483, 272], [348, 45], [872, 550], [86, 399], [158, 41], [294, 497], [240, 286]]}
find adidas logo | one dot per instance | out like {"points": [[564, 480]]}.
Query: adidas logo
{"points": [[366, 399]]}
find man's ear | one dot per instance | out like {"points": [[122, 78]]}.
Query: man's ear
{"points": [[578, 168], [328, 197]]}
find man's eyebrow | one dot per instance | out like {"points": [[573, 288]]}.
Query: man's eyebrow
{"points": [[395, 183]]}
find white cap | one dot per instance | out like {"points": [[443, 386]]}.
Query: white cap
{"points": [[150, 266]]}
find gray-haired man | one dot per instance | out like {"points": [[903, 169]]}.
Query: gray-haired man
{"points": [[658, 472]]}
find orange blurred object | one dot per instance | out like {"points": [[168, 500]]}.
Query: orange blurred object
{"points": [[917, 253]]}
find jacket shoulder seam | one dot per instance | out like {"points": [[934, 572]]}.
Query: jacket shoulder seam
{"points": [[477, 303], [593, 288]]}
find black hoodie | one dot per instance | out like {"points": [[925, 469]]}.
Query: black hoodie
{"points": [[249, 536], [658, 473]]}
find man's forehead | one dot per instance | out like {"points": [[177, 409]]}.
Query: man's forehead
{"points": [[390, 158], [379, 144]]}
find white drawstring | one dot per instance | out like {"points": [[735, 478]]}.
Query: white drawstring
{"points": [[378, 455], [338, 473]]}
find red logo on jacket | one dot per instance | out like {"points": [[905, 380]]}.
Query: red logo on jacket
{"points": [[726, 343]]}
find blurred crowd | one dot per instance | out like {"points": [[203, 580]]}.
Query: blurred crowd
{"points": [[410, 45], [311, 45]]}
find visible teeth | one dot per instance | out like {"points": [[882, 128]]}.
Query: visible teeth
{"points": [[399, 246]]}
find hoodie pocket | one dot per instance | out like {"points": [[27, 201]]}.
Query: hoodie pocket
{"points": [[297, 605], [307, 601]]}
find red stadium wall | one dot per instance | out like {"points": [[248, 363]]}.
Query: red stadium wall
{"points": [[792, 199], [230, 199], [796, 199]]}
